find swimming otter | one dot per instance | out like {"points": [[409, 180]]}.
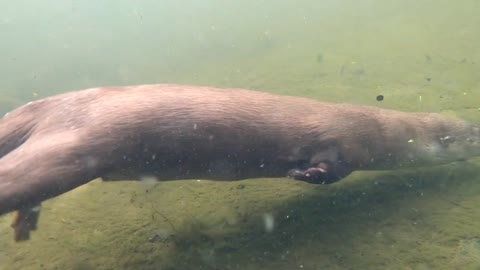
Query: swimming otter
{"points": [[173, 132]]}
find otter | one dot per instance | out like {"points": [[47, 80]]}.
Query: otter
{"points": [[173, 132]]}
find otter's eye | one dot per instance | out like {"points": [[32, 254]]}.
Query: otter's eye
{"points": [[445, 141]]}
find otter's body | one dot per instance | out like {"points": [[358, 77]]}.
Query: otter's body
{"points": [[173, 132]]}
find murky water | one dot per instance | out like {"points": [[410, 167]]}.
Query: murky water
{"points": [[420, 55]]}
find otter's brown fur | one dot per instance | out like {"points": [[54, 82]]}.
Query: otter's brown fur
{"points": [[56, 144]]}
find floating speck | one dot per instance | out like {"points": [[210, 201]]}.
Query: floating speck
{"points": [[149, 180], [269, 222]]}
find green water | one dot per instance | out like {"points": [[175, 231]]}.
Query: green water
{"points": [[420, 55]]}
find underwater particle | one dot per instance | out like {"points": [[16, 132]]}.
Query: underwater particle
{"points": [[428, 58], [268, 222], [380, 97], [360, 72], [428, 78], [149, 180], [91, 162]]}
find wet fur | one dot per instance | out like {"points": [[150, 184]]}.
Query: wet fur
{"points": [[54, 145]]}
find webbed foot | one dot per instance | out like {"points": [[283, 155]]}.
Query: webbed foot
{"points": [[320, 174]]}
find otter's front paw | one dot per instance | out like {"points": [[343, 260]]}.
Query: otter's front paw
{"points": [[314, 175]]}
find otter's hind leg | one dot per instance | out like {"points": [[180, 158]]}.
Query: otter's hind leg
{"points": [[42, 168]]}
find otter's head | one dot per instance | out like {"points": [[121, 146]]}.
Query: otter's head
{"points": [[448, 140]]}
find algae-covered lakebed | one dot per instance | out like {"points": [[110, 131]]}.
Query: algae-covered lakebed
{"points": [[420, 219]]}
